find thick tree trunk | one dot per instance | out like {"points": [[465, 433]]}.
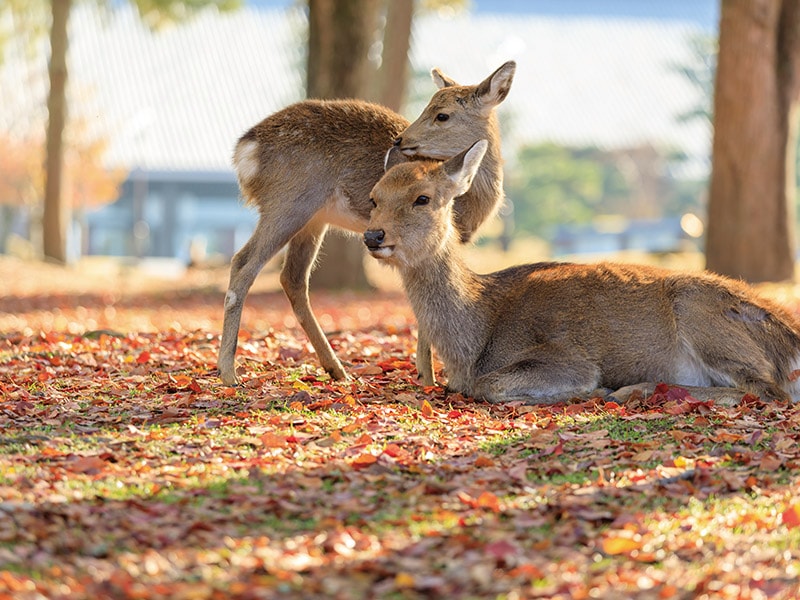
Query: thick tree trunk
{"points": [[55, 217], [751, 230], [340, 35]]}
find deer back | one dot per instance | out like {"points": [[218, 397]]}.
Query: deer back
{"points": [[312, 148]]}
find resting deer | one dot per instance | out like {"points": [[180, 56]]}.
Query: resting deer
{"points": [[313, 164], [550, 332]]}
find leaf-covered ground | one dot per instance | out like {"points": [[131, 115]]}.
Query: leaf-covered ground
{"points": [[128, 471]]}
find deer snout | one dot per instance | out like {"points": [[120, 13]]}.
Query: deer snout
{"points": [[373, 238]]}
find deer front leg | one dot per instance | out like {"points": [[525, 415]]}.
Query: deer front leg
{"points": [[424, 359], [546, 375], [300, 255]]}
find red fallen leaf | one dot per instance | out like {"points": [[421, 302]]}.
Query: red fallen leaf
{"points": [[364, 460], [791, 516], [393, 450], [614, 545], [228, 392], [143, 357], [794, 375]]}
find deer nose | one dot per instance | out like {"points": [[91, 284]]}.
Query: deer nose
{"points": [[373, 238], [398, 141]]}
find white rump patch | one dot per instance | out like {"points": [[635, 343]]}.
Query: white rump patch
{"points": [[245, 160]]}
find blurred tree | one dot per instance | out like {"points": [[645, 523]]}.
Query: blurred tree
{"points": [[155, 13], [356, 49], [756, 101], [86, 182], [555, 184]]}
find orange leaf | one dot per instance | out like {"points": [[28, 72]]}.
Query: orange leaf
{"points": [[143, 357], [791, 516], [364, 438], [426, 409], [182, 380], [270, 440], [404, 580], [483, 461], [363, 460], [489, 500], [620, 545]]}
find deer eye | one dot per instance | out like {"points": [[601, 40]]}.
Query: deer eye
{"points": [[421, 201], [374, 204], [442, 117]]}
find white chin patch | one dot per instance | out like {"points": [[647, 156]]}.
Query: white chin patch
{"points": [[383, 252]]}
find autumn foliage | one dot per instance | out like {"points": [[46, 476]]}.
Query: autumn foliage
{"points": [[88, 183], [128, 471]]}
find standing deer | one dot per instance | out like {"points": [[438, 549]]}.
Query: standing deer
{"points": [[313, 164], [550, 332]]}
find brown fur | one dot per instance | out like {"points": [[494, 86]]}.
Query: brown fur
{"points": [[313, 164], [549, 332]]}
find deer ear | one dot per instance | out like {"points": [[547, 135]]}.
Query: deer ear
{"points": [[394, 156], [441, 80], [494, 89], [461, 169]]}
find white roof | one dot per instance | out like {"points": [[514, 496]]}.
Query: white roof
{"points": [[178, 99]]}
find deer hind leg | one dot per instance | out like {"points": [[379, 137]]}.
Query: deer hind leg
{"points": [[545, 375], [267, 239], [731, 357], [300, 256]]}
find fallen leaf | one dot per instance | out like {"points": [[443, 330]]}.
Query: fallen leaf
{"points": [[613, 545], [791, 516], [363, 460]]}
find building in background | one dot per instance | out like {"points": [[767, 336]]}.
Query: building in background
{"points": [[172, 103]]}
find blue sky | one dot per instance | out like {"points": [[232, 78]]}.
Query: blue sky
{"points": [[702, 12]]}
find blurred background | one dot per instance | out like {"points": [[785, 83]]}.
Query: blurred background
{"points": [[118, 120]]}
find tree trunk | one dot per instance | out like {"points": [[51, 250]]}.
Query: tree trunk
{"points": [[393, 73], [751, 197], [55, 217], [341, 33]]}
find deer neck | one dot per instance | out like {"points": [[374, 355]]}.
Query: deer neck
{"points": [[444, 294], [486, 193]]}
